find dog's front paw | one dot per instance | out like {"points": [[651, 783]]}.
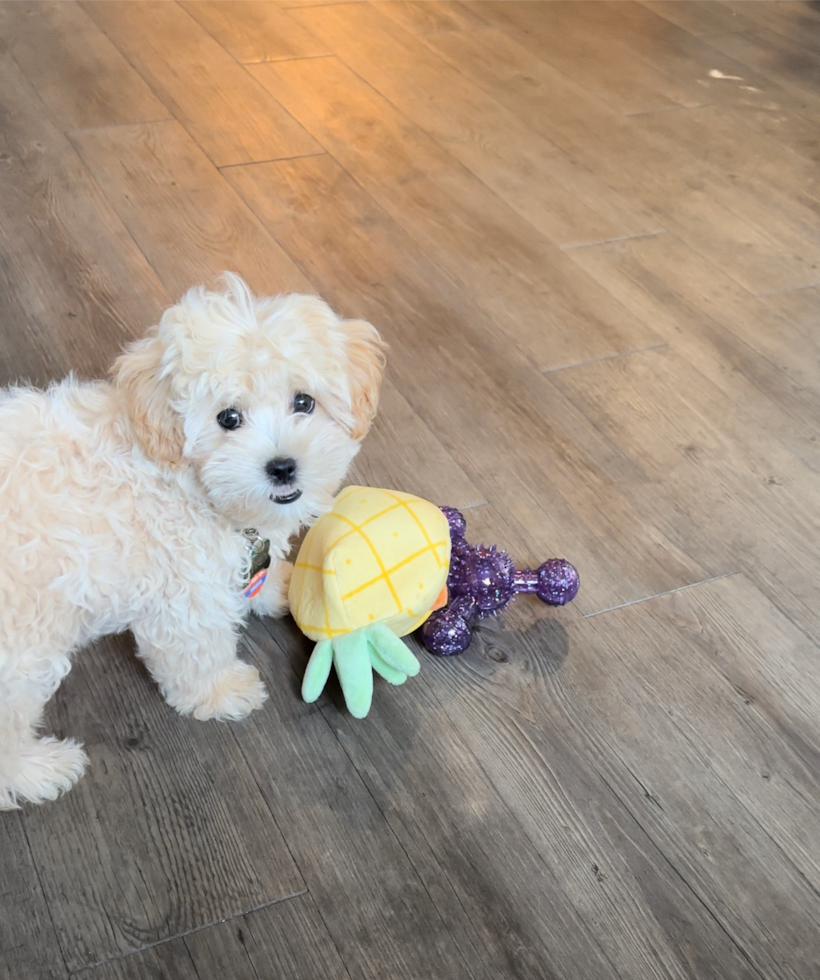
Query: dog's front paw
{"points": [[233, 695], [273, 596]]}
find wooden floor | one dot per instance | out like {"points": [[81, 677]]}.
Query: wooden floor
{"points": [[590, 233]]}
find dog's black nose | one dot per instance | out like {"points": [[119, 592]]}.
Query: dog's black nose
{"points": [[281, 469]]}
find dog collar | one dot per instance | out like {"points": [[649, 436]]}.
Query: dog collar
{"points": [[259, 549]]}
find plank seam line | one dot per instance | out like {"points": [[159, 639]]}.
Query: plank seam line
{"points": [[610, 241], [279, 61], [188, 932], [256, 163], [606, 357], [660, 595]]}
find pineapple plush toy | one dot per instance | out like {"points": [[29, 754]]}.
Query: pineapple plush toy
{"points": [[370, 571]]}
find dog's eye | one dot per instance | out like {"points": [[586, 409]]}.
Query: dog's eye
{"points": [[229, 419], [303, 403]]}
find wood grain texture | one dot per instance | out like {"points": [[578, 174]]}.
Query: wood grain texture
{"points": [[527, 286], [609, 691], [762, 358], [726, 492], [170, 961], [285, 940], [166, 831], [684, 62], [776, 190], [756, 229], [421, 17], [795, 69], [76, 70], [28, 942], [793, 20], [800, 308], [182, 214], [253, 30], [582, 44], [509, 405], [444, 757], [225, 111], [541, 183], [700, 17], [70, 271], [370, 896], [401, 452]]}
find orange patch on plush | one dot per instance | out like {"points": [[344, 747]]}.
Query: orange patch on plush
{"points": [[441, 601]]}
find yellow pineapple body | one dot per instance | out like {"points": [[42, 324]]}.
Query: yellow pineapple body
{"points": [[378, 556]]}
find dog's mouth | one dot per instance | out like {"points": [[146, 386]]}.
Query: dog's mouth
{"points": [[287, 498]]}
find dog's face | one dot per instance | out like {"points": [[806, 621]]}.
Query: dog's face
{"points": [[267, 399]]}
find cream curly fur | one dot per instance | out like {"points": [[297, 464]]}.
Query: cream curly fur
{"points": [[122, 505]]}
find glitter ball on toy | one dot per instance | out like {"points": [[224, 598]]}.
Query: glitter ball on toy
{"points": [[482, 581]]}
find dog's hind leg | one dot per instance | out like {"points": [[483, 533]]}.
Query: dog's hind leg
{"points": [[32, 769]]}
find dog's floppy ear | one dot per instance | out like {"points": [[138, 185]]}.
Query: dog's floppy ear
{"points": [[139, 374], [365, 368]]}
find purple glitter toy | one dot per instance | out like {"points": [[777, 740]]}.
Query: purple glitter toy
{"points": [[482, 581]]}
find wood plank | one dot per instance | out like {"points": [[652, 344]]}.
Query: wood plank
{"points": [[777, 58], [627, 699], [766, 660], [755, 761], [76, 70], [779, 189], [254, 30], [166, 831], [225, 111], [700, 17], [785, 118], [530, 289], [536, 179], [799, 308], [512, 911], [455, 365], [573, 40], [170, 961], [295, 4], [423, 17], [371, 898], [419, 765], [794, 20], [762, 359], [684, 63], [182, 214], [75, 286], [401, 452], [744, 234], [28, 943], [725, 491], [287, 940]]}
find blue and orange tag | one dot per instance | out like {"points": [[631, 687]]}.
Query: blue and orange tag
{"points": [[260, 563], [255, 585]]}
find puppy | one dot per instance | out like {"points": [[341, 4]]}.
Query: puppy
{"points": [[127, 505]]}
